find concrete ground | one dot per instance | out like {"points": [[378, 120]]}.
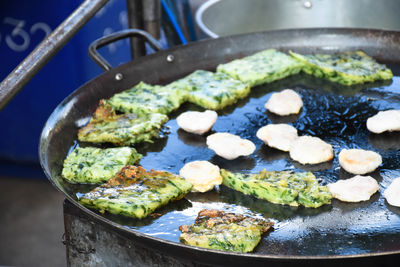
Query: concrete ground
{"points": [[31, 223]]}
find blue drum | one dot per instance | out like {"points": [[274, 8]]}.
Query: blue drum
{"points": [[23, 25]]}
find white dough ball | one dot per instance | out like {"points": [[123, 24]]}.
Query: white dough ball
{"points": [[383, 121], [197, 122], [279, 136], [203, 175], [359, 161], [310, 150], [392, 193], [230, 146], [356, 189], [284, 103]]}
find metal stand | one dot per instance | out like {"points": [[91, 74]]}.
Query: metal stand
{"points": [[92, 243]]}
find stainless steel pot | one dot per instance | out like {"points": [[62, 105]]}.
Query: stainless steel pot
{"points": [[222, 18]]}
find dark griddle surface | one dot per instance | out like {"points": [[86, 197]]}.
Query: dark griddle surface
{"points": [[336, 114]]}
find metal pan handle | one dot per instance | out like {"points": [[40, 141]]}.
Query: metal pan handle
{"points": [[103, 41]]}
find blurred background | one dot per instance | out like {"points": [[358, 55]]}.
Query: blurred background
{"points": [[31, 209]]}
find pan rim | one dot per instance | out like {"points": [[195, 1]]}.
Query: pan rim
{"points": [[47, 127]]}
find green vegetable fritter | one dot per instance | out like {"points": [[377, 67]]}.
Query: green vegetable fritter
{"points": [[263, 67], [347, 68], [224, 231], [135, 192], [280, 187], [212, 90], [95, 165], [125, 129], [145, 98]]}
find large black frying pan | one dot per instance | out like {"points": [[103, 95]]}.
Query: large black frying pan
{"points": [[367, 232]]}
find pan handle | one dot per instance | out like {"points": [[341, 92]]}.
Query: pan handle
{"points": [[103, 41]]}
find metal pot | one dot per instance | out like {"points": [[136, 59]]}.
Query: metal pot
{"points": [[227, 17]]}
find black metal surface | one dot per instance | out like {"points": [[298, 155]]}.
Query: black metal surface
{"points": [[343, 233], [48, 48], [103, 41]]}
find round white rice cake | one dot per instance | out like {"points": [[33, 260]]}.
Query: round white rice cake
{"points": [[383, 121], [359, 161], [279, 136], [284, 103], [392, 193], [230, 146], [356, 189], [310, 150], [203, 175], [197, 122]]}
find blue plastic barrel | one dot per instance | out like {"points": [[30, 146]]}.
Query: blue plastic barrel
{"points": [[23, 25]]}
